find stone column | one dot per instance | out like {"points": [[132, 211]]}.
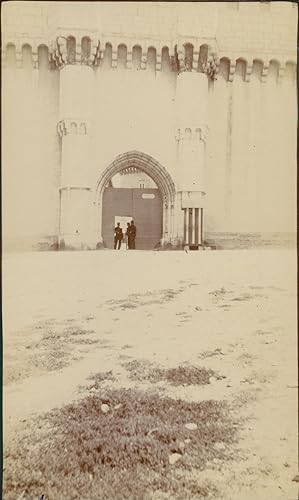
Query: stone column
{"points": [[186, 226], [191, 135], [75, 130], [193, 225]]}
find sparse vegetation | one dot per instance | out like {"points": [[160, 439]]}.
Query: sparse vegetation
{"points": [[181, 375], [210, 354], [88, 454], [135, 300], [100, 377], [118, 443], [55, 348]]}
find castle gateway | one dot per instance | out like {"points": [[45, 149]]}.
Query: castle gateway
{"points": [[179, 115]]}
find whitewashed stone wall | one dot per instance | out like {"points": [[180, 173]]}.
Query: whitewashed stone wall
{"points": [[250, 165]]}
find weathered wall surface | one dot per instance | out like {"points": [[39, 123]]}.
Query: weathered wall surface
{"points": [[251, 164], [31, 154], [129, 102]]}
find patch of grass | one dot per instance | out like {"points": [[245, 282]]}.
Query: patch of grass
{"points": [[246, 359], [44, 324], [210, 354], [219, 292], [53, 350], [246, 296], [124, 356], [246, 397], [85, 341], [54, 359], [100, 377], [74, 330], [135, 300], [50, 335], [258, 377], [91, 455], [220, 295], [181, 375]]}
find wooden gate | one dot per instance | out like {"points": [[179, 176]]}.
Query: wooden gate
{"points": [[144, 206]]}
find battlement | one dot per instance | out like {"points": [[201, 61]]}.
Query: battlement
{"points": [[141, 35]]}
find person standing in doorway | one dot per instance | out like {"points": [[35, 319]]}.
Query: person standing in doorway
{"points": [[127, 235], [118, 236], [132, 236]]}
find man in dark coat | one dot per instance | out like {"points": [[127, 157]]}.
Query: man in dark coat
{"points": [[127, 235], [118, 236], [132, 235]]}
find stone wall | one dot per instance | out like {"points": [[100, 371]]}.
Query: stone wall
{"points": [[251, 164], [250, 170]]}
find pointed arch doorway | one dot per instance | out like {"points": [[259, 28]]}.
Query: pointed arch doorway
{"points": [[152, 209]]}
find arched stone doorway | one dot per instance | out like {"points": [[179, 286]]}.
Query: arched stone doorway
{"points": [[158, 174]]}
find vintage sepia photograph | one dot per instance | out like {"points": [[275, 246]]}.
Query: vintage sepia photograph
{"points": [[149, 260]]}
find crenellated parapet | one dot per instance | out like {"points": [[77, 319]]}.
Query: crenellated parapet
{"points": [[202, 59], [26, 54], [140, 55], [247, 68], [66, 50]]}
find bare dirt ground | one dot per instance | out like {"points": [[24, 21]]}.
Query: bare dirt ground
{"points": [[192, 328]]}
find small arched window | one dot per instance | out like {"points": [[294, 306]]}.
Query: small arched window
{"points": [[43, 57], [188, 134], [136, 57], [107, 59], [73, 128], [257, 69], [273, 71], [151, 59], [82, 129], [203, 58], [224, 68], [85, 49], [188, 57], [11, 55], [241, 69], [71, 49], [165, 59], [27, 56], [198, 134], [122, 56]]}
